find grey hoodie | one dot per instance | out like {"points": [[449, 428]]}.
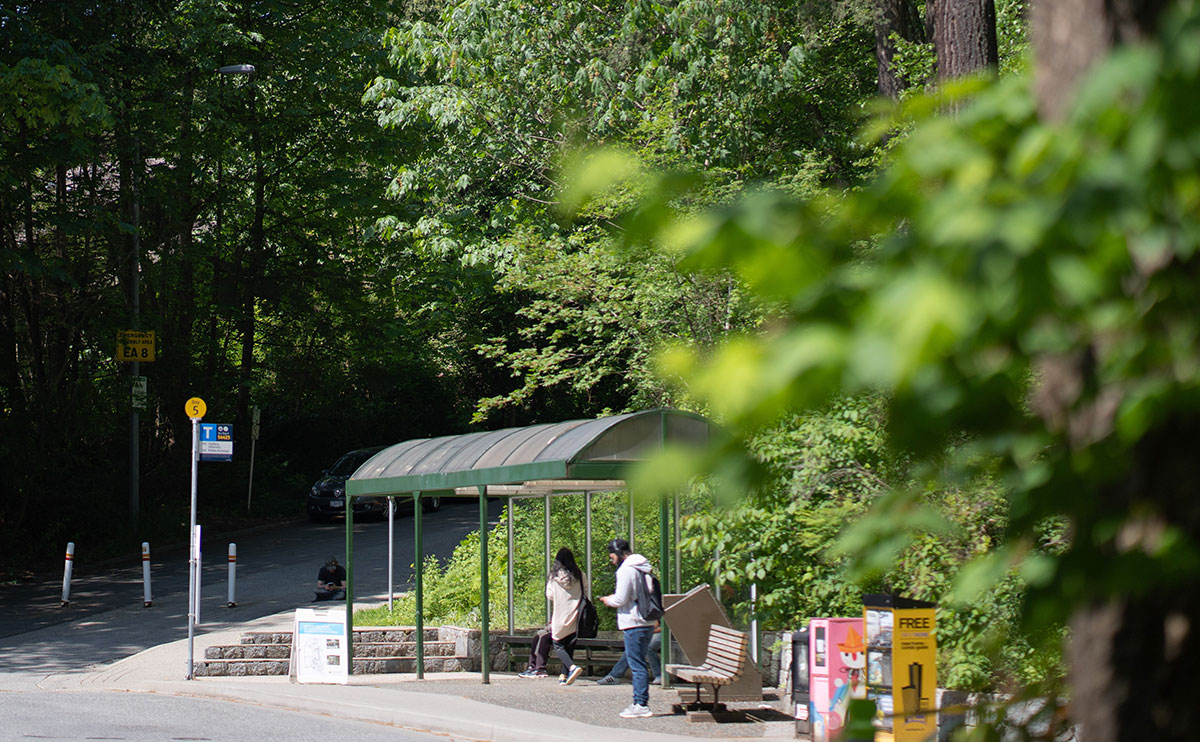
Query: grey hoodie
{"points": [[628, 617]]}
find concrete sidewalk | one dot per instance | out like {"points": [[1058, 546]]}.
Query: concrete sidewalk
{"points": [[456, 704]]}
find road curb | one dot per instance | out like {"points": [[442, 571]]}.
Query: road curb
{"points": [[415, 711]]}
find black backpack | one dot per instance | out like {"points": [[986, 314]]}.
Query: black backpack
{"points": [[589, 622], [649, 597]]}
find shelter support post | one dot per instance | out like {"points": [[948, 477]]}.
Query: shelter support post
{"points": [[631, 528], [664, 555], [546, 534], [391, 557], [678, 561], [510, 506], [587, 535], [349, 585], [716, 562], [484, 638], [419, 586]]}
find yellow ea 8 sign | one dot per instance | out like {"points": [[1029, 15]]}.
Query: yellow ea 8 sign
{"points": [[135, 345], [195, 408]]}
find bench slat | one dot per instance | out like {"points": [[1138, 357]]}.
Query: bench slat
{"points": [[724, 662], [732, 657]]}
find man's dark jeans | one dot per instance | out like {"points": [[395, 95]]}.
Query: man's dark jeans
{"points": [[636, 641], [652, 660]]}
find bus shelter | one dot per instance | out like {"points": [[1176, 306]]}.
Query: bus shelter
{"points": [[567, 458]]}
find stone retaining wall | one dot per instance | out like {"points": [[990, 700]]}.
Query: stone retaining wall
{"points": [[376, 650]]}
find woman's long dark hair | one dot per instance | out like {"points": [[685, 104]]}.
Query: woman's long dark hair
{"points": [[564, 561]]}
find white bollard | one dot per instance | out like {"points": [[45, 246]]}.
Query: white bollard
{"points": [[232, 574], [66, 591], [146, 600]]}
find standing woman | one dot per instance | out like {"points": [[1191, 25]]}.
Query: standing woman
{"points": [[565, 591]]}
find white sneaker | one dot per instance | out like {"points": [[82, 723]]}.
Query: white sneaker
{"points": [[636, 711]]}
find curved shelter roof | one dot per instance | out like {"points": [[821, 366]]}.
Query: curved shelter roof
{"points": [[565, 457]]}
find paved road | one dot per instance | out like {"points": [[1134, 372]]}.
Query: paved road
{"points": [[142, 717], [276, 571]]}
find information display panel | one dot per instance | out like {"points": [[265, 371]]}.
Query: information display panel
{"points": [[319, 646]]}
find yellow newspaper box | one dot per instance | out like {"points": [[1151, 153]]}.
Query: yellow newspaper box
{"points": [[902, 664]]}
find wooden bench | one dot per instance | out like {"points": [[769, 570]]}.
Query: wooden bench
{"points": [[600, 652], [723, 665]]}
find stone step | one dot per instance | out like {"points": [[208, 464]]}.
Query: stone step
{"points": [[367, 634], [252, 651], [362, 666]]}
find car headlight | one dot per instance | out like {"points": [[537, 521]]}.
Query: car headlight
{"points": [[314, 492]]}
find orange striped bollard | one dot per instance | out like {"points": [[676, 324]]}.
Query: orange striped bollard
{"points": [[232, 574], [70, 559], [146, 599]]}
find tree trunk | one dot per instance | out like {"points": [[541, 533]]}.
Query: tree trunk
{"points": [[1069, 36], [11, 394], [1132, 658], [964, 36], [899, 17], [252, 277]]}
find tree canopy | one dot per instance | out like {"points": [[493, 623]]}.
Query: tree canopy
{"points": [[957, 351]]}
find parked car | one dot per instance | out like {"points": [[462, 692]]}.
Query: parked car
{"points": [[327, 499]]}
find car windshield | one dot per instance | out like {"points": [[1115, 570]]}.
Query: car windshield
{"points": [[349, 463]]}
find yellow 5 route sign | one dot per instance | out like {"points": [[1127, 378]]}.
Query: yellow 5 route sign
{"points": [[195, 408]]}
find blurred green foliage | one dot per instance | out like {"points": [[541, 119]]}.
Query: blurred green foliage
{"points": [[1020, 298]]}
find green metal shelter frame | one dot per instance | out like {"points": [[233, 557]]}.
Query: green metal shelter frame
{"points": [[567, 458]]}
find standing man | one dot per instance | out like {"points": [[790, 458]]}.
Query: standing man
{"points": [[638, 631]]}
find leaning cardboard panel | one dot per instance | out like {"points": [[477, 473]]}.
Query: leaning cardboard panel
{"points": [[689, 616]]}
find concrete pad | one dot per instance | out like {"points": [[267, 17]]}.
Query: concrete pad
{"points": [[452, 703]]}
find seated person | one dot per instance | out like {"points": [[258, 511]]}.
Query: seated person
{"points": [[331, 581], [652, 661]]}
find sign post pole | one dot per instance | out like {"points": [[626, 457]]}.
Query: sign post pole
{"points": [[194, 409], [255, 416], [135, 347]]}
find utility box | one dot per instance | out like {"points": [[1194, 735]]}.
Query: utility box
{"points": [[800, 682], [836, 662], [902, 665]]}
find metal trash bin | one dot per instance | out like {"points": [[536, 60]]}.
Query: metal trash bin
{"points": [[800, 682]]}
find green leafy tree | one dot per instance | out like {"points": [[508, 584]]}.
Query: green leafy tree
{"points": [[251, 202], [499, 93]]}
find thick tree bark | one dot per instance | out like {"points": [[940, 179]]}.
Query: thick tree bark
{"points": [[253, 275], [11, 393], [1069, 36], [964, 36], [178, 304], [1133, 658], [899, 17]]}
